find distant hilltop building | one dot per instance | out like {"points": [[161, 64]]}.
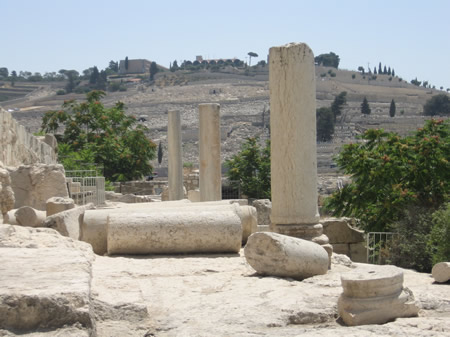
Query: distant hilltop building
{"points": [[138, 66]]}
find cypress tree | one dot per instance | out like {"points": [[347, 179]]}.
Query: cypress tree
{"points": [[385, 70], [393, 72], [380, 71], [389, 71], [160, 153], [365, 108], [392, 109]]}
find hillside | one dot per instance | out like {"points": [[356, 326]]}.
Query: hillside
{"points": [[244, 105]]}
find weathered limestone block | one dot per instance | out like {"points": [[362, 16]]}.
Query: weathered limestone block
{"points": [[34, 185], [293, 137], [375, 295], [45, 281], [248, 217], [209, 152], [280, 255], [18, 147], [68, 223], [94, 227], [194, 195], [58, 204], [339, 230], [211, 230], [441, 272], [264, 209], [175, 156], [6, 193], [28, 216]]}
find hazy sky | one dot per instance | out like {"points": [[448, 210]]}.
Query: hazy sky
{"points": [[411, 36]]}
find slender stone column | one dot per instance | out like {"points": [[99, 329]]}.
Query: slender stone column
{"points": [[175, 156], [293, 142], [209, 149]]}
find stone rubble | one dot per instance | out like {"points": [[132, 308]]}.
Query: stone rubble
{"points": [[375, 295], [275, 254]]}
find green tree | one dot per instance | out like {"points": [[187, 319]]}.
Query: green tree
{"points": [[4, 73], [385, 71], [160, 153], [251, 54], [106, 135], [416, 82], [375, 70], [325, 120], [393, 72], [93, 78], [126, 63], [392, 108], [153, 70], [361, 69], [390, 173], [251, 168], [339, 101], [365, 108], [380, 70], [174, 66], [328, 60], [114, 66], [389, 72], [437, 105]]}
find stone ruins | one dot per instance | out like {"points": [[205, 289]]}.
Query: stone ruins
{"points": [[200, 266]]}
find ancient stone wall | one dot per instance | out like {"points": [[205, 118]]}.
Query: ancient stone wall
{"points": [[18, 147]]}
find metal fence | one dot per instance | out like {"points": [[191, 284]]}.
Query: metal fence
{"points": [[85, 187], [378, 246], [231, 189]]}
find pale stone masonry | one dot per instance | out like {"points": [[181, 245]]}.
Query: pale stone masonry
{"points": [[209, 149], [175, 156], [293, 142]]}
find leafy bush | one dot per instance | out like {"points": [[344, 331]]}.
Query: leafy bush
{"points": [[251, 167], [390, 173], [61, 92], [333, 74], [423, 239], [408, 248], [103, 136], [353, 76], [437, 105], [439, 238], [323, 75]]}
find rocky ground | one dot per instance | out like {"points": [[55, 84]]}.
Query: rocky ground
{"points": [[63, 289]]}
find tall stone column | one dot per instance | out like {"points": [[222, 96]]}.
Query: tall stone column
{"points": [[209, 149], [293, 142], [175, 156]]}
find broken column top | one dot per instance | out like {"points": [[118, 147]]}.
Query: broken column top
{"points": [[372, 281]]}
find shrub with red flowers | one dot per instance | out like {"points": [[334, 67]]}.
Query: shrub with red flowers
{"points": [[391, 174]]}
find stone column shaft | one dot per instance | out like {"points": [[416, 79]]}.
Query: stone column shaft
{"points": [[175, 156], [293, 140], [209, 149]]}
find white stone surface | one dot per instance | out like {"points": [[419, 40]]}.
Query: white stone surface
{"points": [[209, 149], [7, 199], [18, 147], [441, 272], [293, 135], [194, 195], [58, 204], [68, 223], [249, 221], [51, 288], [28, 216], [375, 295], [264, 209], [175, 156], [34, 185], [275, 254], [164, 232]]}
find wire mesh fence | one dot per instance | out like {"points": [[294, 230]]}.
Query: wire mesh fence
{"points": [[378, 246], [85, 187]]}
